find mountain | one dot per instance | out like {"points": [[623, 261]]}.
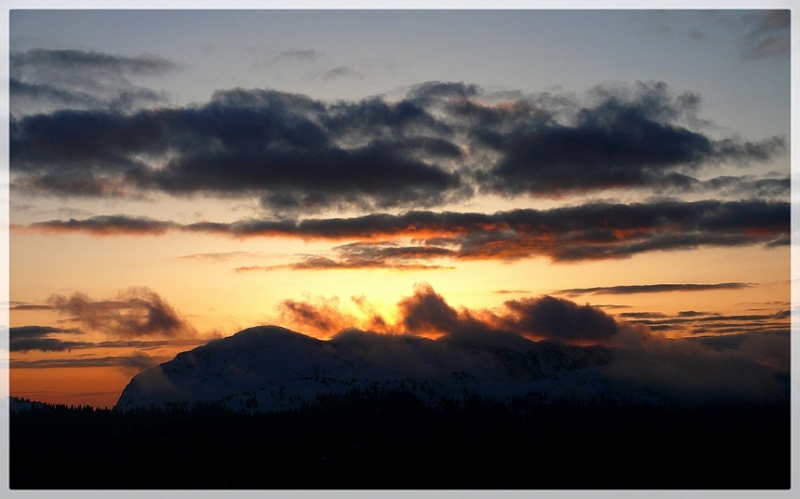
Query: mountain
{"points": [[16, 404], [269, 367]]}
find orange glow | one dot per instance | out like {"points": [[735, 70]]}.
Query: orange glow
{"points": [[94, 386], [628, 233]]}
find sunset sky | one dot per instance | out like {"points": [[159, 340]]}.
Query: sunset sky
{"points": [[177, 176]]}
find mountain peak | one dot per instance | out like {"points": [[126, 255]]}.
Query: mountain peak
{"points": [[270, 367]]}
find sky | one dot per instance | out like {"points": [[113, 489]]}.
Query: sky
{"points": [[617, 177]]}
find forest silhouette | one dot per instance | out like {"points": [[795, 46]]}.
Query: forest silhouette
{"points": [[390, 439]]}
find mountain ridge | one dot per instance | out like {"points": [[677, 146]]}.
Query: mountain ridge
{"points": [[270, 367]]}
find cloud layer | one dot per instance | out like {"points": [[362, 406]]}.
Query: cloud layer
{"points": [[422, 239]]}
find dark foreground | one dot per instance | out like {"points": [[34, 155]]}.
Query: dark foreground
{"points": [[392, 441]]}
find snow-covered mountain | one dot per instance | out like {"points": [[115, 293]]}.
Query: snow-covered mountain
{"points": [[269, 367]]}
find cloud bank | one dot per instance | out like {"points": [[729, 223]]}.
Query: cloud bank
{"points": [[441, 143]]}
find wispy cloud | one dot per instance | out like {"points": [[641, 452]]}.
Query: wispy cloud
{"points": [[131, 364], [135, 312], [367, 255], [97, 62], [28, 306], [50, 338], [711, 323], [221, 256], [342, 72], [769, 35], [305, 56], [653, 288], [45, 80]]}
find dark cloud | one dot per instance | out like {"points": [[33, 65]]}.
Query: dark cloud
{"points": [[428, 312], [90, 61], [243, 228], [556, 318], [728, 186], [28, 306], [269, 144], [387, 251], [431, 92], [408, 123], [363, 255], [602, 231], [643, 315], [26, 338], [38, 331], [622, 141], [746, 152], [46, 345], [441, 143], [591, 231], [784, 314], [691, 313], [769, 35], [653, 288], [366, 255], [113, 225], [754, 188], [135, 312]]}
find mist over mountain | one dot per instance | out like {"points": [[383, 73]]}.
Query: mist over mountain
{"points": [[268, 368]]}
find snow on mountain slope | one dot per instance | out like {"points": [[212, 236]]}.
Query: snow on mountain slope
{"points": [[269, 367]]}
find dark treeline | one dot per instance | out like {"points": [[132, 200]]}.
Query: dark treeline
{"points": [[391, 440]]}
